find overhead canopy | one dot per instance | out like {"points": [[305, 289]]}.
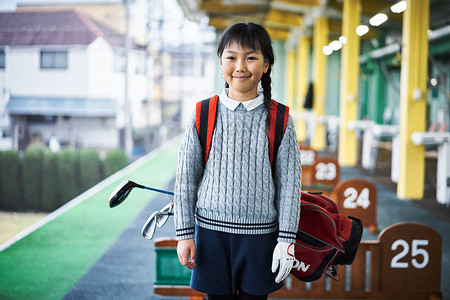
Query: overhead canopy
{"points": [[62, 106], [284, 17]]}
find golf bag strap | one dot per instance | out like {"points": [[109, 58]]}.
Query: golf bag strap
{"points": [[206, 116]]}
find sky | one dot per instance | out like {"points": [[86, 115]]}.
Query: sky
{"points": [[10, 5]]}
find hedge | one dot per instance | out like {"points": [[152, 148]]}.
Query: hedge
{"points": [[68, 175], [32, 176], [115, 160], [43, 180], [10, 174], [91, 169], [50, 194]]}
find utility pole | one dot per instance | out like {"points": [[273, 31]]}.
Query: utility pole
{"points": [[128, 140]]}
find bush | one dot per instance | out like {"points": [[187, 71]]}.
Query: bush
{"points": [[11, 187], [68, 179], [90, 168], [50, 196], [32, 176], [115, 160]]}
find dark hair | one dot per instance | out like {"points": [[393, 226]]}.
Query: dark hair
{"points": [[255, 37]]}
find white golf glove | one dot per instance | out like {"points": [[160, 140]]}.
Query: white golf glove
{"points": [[283, 260]]}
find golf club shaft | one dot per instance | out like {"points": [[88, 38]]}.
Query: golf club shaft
{"points": [[159, 191]]}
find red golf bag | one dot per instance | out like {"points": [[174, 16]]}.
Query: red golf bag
{"points": [[325, 238]]}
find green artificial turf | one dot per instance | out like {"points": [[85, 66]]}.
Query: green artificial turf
{"points": [[47, 263]]}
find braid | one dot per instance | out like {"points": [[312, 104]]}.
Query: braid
{"points": [[267, 89]]}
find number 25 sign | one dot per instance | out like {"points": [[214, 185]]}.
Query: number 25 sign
{"points": [[410, 258], [358, 198]]}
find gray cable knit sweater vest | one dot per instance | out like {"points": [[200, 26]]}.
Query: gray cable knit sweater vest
{"points": [[236, 192]]}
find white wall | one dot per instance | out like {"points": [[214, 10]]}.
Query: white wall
{"points": [[28, 79], [3, 93], [90, 73], [99, 68], [197, 88], [138, 90]]}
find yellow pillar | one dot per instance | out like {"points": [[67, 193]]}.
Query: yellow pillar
{"points": [[303, 46], [413, 92], [320, 39], [348, 144], [290, 73]]}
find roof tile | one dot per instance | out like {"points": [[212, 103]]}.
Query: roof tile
{"points": [[53, 28]]}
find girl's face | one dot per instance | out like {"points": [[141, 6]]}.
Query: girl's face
{"points": [[242, 68]]}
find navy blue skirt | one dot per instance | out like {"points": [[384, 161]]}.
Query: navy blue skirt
{"points": [[229, 262]]}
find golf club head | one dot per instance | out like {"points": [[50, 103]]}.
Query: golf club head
{"points": [[121, 192], [166, 211], [150, 225]]}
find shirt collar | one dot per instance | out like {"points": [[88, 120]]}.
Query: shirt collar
{"points": [[232, 104]]}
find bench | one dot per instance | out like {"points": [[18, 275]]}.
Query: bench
{"points": [[442, 140], [372, 140], [404, 263], [332, 131]]}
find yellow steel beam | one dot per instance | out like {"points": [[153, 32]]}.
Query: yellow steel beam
{"points": [[301, 2], [373, 7], [320, 39], [290, 73], [370, 8], [278, 34], [279, 18], [413, 94], [217, 7], [347, 152], [219, 23], [304, 44], [222, 23], [336, 28]]}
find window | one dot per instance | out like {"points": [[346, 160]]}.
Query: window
{"points": [[119, 60], [182, 66], [141, 63], [53, 59], [2, 59]]}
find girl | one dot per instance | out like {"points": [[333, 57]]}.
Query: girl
{"points": [[246, 218]]}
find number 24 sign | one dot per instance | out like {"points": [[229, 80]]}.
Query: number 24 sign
{"points": [[357, 197]]}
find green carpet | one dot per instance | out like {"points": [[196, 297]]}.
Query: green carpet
{"points": [[47, 263]]}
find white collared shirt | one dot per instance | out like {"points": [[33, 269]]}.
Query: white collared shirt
{"points": [[232, 104]]}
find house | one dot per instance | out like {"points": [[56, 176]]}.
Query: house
{"points": [[62, 74]]}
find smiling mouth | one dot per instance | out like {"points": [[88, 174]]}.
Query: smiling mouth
{"points": [[241, 77]]}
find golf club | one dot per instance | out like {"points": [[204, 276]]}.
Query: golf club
{"points": [[158, 218], [122, 191], [166, 211], [154, 220]]}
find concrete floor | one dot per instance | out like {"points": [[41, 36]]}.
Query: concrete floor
{"points": [[126, 270]]}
